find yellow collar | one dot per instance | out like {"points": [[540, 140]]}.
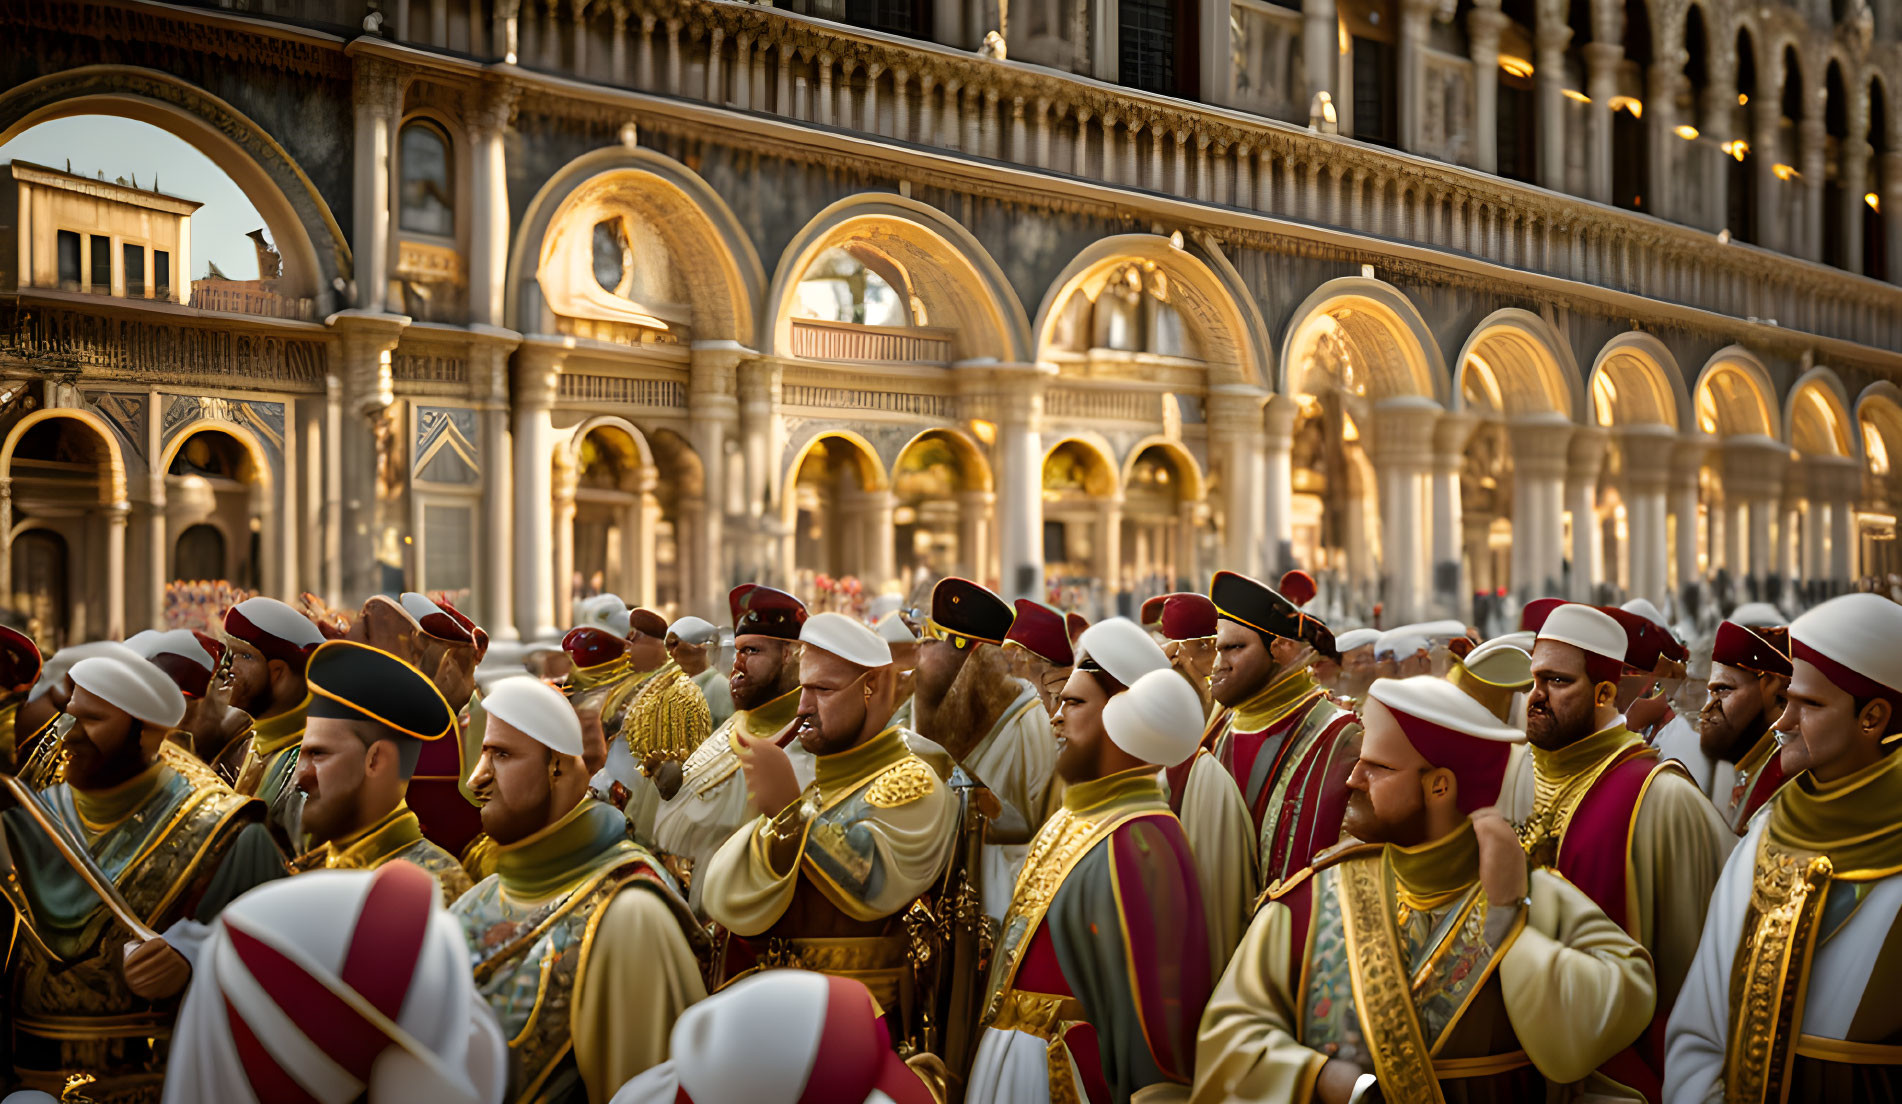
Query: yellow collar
{"points": [[1275, 701], [583, 679], [1852, 820], [1137, 784], [846, 771], [1433, 873], [273, 734], [771, 717], [365, 848], [101, 809]]}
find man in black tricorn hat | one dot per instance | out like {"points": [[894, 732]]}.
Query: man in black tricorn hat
{"points": [[1288, 747], [370, 715], [993, 724]]}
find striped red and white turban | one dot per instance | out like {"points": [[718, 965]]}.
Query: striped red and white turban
{"points": [[325, 987], [780, 1037]]}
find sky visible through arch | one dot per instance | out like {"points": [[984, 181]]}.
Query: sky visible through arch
{"points": [[125, 147]]}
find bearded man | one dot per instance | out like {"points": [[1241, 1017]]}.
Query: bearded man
{"points": [[87, 996], [210, 725], [371, 716], [993, 725], [1038, 647], [1793, 993], [1424, 963], [269, 644], [1592, 801], [582, 946], [1286, 746], [1069, 1014], [823, 877], [1187, 623], [706, 801], [1749, 674]]}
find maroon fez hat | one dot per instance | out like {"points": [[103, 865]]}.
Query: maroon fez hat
{"points": [[1643, 643], [1040, 630], [1737, 646], [19, 660], [1151, 614], [1188, 616], [646, 622], [434, 620], [1297, 586], [1532, 618], [1073, 624], [588, 646], [762, 611]]}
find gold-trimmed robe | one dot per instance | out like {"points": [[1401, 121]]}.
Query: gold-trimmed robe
{"points": [[1392, 959], [396, 835]]}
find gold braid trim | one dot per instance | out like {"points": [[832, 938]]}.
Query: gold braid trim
{"points": [[1769, 976], [1383, 991]]}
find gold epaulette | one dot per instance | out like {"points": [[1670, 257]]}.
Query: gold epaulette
{"points": [[1340, 852], [900, 784], [670, 719]]}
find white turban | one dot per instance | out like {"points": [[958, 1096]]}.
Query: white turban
{"points": [[847, 638], [60, 663], [1158, 719], [537, 710], [345, 983], [1121, 649], [694, 630], [136, 687], [603, 611]]}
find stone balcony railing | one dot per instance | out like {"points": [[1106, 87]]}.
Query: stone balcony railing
{"points": [[771, 62], [816, 339]]}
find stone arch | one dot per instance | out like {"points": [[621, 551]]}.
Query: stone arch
{"points": [[1636, 381], [1233, 338], [1816, 414], [1879, 412], [688, 215], [943, 265], [1097, 450], [1522, 367], [976, 468], [1195, 483], [871, 470], [260, 458], [112, 475], [1373, 324], [606, 421], [942, 496], [1735, 397], [307, 236]]}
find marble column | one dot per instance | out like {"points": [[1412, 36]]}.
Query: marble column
{"points": [[712, 422], [1550, 40], [1853, 165], [1450, 436], [365, 395], [974, 541], [1401, 443], [880, 557], [1815, 542], [562, 540], [1540, 456], [1411, 99], [537, 374], [1717, 125], [1484, 24], [1753, 478], [1888, 189], [1019, 477], [1734, 544], [495, 589], [1320, 48], [487, 121], [1811, 138], [643, 533], [1585, 459], [1842, 545], [1602, 60], [1649, 451], [1278, 486], [1661, 142], [116, 515], [759, 388], [1236, 437], [1109, 550], [1764, 154], [1687, 460], [158, 546], [375, 93]]}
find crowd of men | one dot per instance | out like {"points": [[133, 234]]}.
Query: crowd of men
{"points": [[978, 851]]}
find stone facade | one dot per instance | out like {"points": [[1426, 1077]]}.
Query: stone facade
{"points": [[657, 297]]}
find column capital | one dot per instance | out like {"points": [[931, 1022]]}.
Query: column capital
{"points": [[537, 371], [1540, 445], [1830, 478], [1585, 453], [1236, 408], [1485, 25], [1402, 431], [1451, 435], [492, 107], [1601, 57], [1754, 466], [375, 82], [1280, 417], [1648, 452], [369, 337], [1687, 459]]}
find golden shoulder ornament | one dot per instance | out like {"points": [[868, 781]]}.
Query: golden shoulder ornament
{"points": [[900, 784]]}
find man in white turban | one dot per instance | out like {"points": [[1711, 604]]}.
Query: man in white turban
{"points": [[1110, 890], [88, 994], [583, 946], [337, 987]]}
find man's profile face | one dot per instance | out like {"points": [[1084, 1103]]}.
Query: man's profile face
{"points": [[330, 774], [249, 677], [1078, 728], [1825, 719], [1386, 802], [1731, 709], [105, 746], [511, 782], [644, 652], [759, 664]]}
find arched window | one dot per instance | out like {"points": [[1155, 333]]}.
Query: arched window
{"points": [[841, 286], [200, 554], [428, 191]]}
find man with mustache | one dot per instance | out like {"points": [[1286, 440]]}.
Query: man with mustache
{"points": [[822, 878], [1593, 802], [1426, 962], [1066, 1007], [1287, 746], [706, 801], [1793, 994], [993, 725], [1749, 673], [191, 659], [269, 644], [371, 717], [87, 997], [1038, 648], [581, 945]]}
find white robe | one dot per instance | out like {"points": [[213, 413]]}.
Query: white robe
{"points": [[1016, 761], [1697, 1036], [1679, 741], [712, 804]]}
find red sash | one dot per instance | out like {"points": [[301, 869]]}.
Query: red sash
{"points": [[435, 796], [1607, 814]]}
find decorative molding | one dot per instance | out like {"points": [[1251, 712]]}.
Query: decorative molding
{"points": [[621, 391], [60, 340]]}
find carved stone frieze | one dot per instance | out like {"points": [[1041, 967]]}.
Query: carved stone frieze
{"points": [[57, 339]]}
